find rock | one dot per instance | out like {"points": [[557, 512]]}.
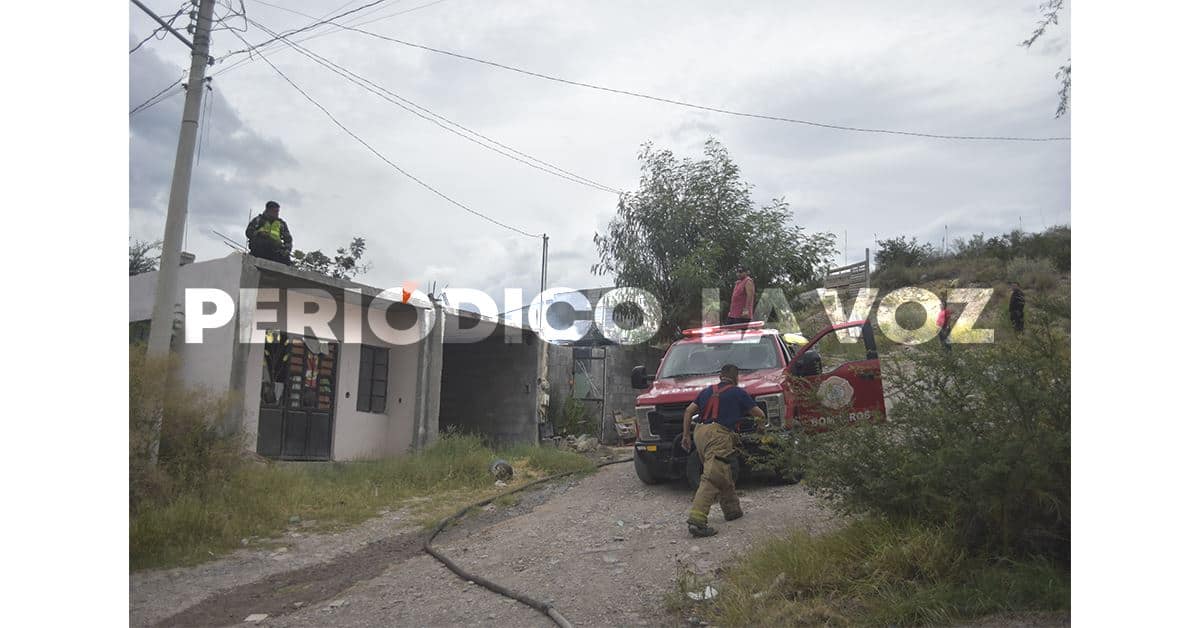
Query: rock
{"points": [[338, 603], [294, 520], [297, 604], [694, 549], [308, 523], [255, 618], [489, 508], [610, 559], [245, 542], [501, 470], [643, 526], [618, 538], [501, 484]]}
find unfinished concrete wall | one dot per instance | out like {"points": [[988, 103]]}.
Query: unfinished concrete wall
{"points": [[619, 361], [488, 387]]}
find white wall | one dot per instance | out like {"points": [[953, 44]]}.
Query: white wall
{"points": [[206, 364], [356, 435]]}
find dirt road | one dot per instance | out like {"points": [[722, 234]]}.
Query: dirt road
{"points": [[605, 548]]}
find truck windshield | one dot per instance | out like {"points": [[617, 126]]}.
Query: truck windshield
{"points": [[707, 358]]}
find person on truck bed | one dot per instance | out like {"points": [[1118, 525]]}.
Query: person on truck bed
{"points": [[741, 303], [724, 404]]}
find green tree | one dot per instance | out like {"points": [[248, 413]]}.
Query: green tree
{"points": [[689, 225], [141, 257], [346, 264], [901, 252]]}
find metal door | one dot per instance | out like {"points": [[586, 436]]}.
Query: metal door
{"points": [[295, 420]]}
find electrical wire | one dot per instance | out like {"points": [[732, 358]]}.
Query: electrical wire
{"points": [[150, 102], [434, 118], [383, 157], [322, 21], [681, 103], [252, 48], [158, 29]]}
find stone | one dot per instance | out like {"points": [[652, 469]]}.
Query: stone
{"points": [[501, 470], [294, 520], [338, 603], [255, 618]]}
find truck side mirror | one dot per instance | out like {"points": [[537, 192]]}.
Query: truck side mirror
{"points": [[638, 378], [808, 365]]}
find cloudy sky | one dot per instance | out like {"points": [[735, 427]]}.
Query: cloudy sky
{"points": [[945, 67]]}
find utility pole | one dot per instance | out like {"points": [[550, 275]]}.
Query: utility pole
{"points": [[542, 347], [163, 319]]}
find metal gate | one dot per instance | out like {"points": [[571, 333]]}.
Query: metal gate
{"points": [[295, 417], [589, 374]]}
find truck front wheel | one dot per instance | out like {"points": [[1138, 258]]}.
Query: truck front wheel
{"points": [[644, 472], [695, 468]]}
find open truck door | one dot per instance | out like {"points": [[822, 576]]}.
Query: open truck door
{"points": [[843, 383]]}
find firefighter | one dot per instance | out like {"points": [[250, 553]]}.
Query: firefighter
{"points": [[1016, 307], [724, 404], [269, 237]]}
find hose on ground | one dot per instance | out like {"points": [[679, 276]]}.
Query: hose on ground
{"points": [[542, 607]]}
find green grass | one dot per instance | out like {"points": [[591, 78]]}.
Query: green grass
{"points": [[205, 521], [873, 573]]}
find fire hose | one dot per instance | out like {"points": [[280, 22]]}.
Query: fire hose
{"points": [[538, 605]]}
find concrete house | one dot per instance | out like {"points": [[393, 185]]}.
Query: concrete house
{"points": [[326, 369]]}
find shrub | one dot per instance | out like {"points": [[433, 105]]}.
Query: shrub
{"points": [[873, 572], [573, 418], [978, 440], [1033, 274], [193, 452]]}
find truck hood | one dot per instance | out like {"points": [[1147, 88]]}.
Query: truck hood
{"points": [[685, 389]]}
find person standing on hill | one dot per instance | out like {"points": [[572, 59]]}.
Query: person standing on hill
{"points": [[741, 304], [943, 323], [1016, 307]]}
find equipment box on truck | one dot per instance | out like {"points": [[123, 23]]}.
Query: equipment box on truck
{"points": [[773, 371]]}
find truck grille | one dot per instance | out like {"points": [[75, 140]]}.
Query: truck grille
{"points": [[666, 420]]}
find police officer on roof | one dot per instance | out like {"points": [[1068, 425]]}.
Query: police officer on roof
{"points": [[724, 405], [269, 236]]}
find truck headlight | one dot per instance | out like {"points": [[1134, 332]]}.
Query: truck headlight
{"points": [[774, 403], [643, 423]]}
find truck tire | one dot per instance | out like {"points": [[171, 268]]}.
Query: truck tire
{"points": [[695, 468], [644, 472], [789, 477]]}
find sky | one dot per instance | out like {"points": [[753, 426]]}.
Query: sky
{"points": [[941, 67]]}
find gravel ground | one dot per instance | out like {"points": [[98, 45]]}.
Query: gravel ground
{"points": [[604, 549]]}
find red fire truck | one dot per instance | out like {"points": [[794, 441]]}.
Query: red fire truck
{"points": [[790, 383]]}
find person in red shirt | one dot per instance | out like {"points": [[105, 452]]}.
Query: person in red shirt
{"points": [[741, 304], [943, 323]]}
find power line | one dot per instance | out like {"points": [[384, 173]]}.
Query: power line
{"points": [[705, 107], [681, 103], [322, 21], [252, 48], [150, 102], [381, 156], [347, 74], [155, 32]]}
